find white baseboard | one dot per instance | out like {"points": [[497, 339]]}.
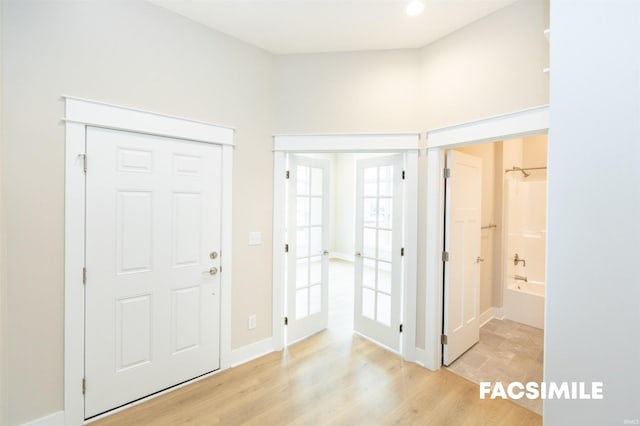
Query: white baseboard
{"points": [[250, 352], [491, 313], [420, 355], [54, 419], [342, 256]]}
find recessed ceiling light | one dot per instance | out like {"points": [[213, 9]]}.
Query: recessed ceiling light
{"points": [[414, 8]]}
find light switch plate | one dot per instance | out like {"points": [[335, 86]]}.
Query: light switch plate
{"points": [[255, 238]]}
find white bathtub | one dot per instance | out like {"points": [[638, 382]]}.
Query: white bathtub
{"points": [[526, 303]]}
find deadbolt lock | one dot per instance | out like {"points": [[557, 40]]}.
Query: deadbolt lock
{"points": [[213, 255]]}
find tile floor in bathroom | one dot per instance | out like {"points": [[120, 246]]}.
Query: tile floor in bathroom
{"points": [[507, 352]]}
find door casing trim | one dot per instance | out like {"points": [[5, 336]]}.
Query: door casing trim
{"points": [[517, 124], [80, 113], [405, 143]]}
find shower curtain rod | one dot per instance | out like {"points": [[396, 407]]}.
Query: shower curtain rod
{"points": [[519, 169]]}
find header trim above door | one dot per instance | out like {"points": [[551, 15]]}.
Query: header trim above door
{"points": [[100, 114], [347, 143]]}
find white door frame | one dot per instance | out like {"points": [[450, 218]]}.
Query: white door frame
{"points": [[405, 143], [81, 113], [507, 126]]}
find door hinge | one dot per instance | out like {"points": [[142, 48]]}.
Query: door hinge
{"points": [[443, 339], [287, 175], [400, 328], [402, 251], [445, 256], [84, 385], [286, 248], [286, 321], [84, 276], [403, 175], [84, 162], [446, 173]]}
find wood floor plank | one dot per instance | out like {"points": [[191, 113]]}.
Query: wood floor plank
{"points": [[327, 379]]}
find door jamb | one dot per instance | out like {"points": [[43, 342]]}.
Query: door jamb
{"points": [[81, 113], [405, 143], [507, 126]]}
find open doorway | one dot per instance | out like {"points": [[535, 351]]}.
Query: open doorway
{"points": [[345, 245], [378, 253], [503, 261]]}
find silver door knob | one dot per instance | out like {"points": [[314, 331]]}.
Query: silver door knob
{"points": [[325, 253], [211, 271], [358, 254]]}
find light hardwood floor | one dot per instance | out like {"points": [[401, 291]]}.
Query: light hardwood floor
{"points": [[332, 378]]}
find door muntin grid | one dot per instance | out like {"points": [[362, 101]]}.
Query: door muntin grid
{"points": [[309, 247], [377, 243]]}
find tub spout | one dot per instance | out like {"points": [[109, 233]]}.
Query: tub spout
{"points": [[521, 278]]}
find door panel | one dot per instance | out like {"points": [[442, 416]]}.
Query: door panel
{"points": [[152, 306], [462, 242], [378, 263], [308, 260]]}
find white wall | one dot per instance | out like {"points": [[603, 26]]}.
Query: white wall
{"points": [[592, 330], [135, 54], [490, 67]]}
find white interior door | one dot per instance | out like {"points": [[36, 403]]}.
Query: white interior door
{"points": [[378, 261], [462, 243], [152, 249], [308, 240]]}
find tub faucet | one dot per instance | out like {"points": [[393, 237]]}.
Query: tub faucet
{"points": [[517, 259], [521, 278]]}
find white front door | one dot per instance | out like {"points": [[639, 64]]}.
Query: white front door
{"points": [[378, 261], [308, 241], [152, 253], [462, 243]]}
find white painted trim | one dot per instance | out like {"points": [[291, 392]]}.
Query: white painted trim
{"points": [[407, 143], [420, 356], [434, 247], [347, 143], [73, 264], [507, 126], [342, 256], [75, 145], [279, 227], [517, 124], [493, 312], [53, 419], [100, 114], [252, 351], [226, 238], [410, 244]]}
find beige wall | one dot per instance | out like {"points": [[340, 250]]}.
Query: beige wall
{"points": [[490, 67], [4, 408], [135, 54]]}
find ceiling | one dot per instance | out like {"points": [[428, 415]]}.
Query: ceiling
{"points": [[313, 26]]}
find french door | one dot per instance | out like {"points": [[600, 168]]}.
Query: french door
{"points": [[152, 257], [308, 241], [462, 243], [378, 261]]}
